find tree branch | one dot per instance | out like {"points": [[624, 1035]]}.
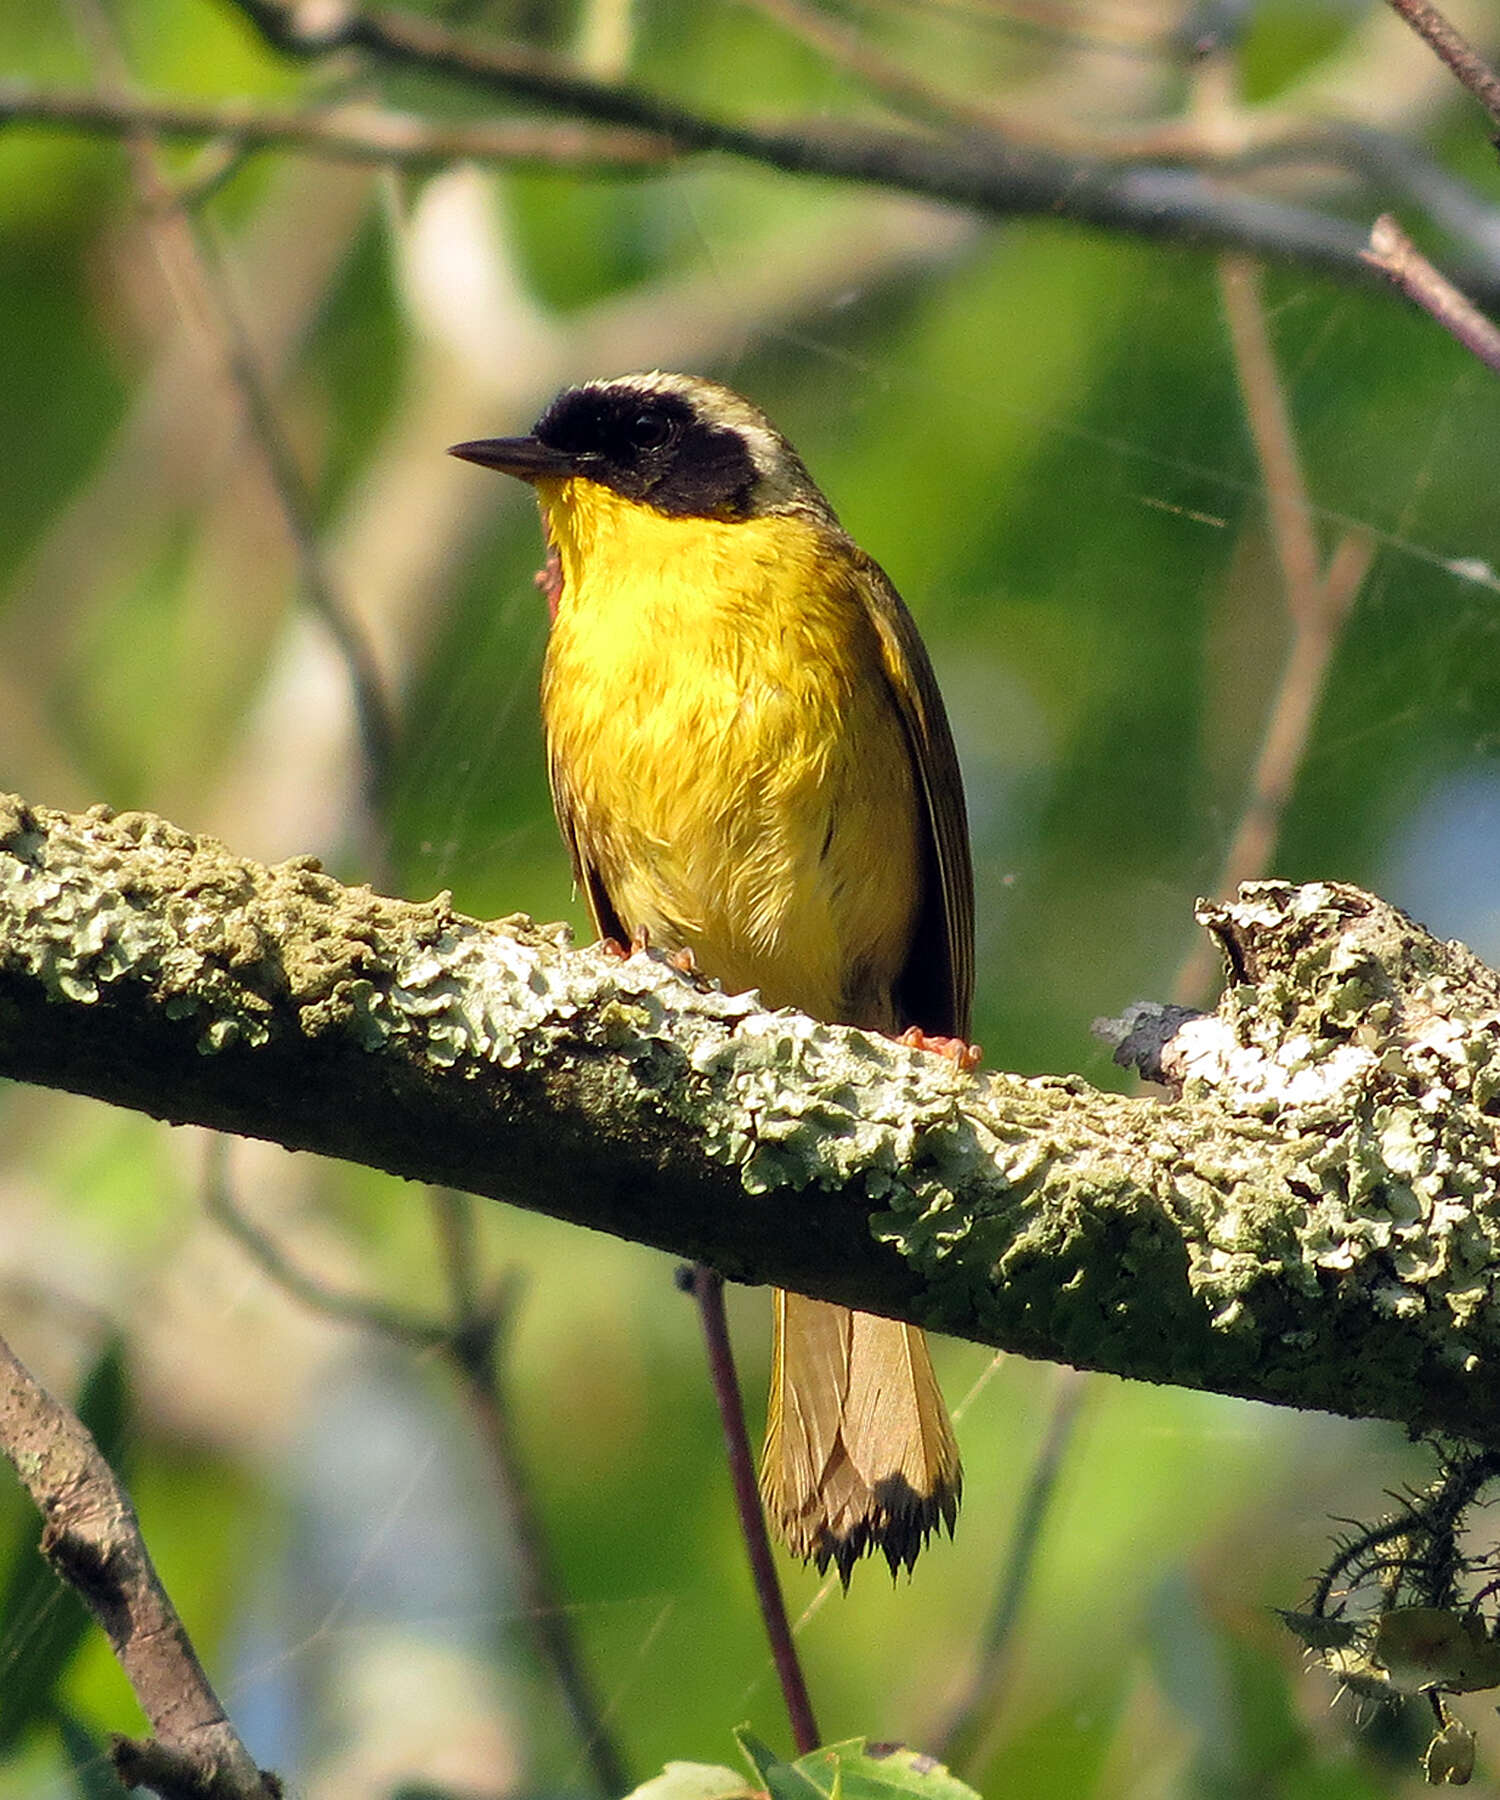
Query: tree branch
{"points": [[1397, 257], [989, 170], [356, 132], [1453, 49], [1314, 1221], [92, 1539]]}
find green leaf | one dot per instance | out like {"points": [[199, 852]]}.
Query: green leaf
{"points": [[695, 1781], [854, 1770], [42, 1623]]}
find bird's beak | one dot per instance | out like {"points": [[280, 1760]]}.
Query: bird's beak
{"points": [[525, 457]]}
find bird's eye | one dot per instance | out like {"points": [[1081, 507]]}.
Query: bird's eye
{"points": [[649, 430]]}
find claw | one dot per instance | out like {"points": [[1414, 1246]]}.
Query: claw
{"points": [[962, 1055]]}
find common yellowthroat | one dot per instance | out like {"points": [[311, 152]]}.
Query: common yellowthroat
{"points": [[749, 759]]}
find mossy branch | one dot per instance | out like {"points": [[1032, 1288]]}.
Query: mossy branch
{"points": [[1313, 1220]]}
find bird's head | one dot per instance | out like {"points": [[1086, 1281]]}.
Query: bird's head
{"points": [[681, 445]]}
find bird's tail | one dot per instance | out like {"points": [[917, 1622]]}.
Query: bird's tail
{"points": [[860, 1454]]}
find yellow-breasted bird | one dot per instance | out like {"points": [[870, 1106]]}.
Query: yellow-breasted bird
{"points": [[750, 760]]}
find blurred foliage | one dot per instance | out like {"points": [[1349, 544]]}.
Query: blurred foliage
{"points": [[1038, 431]]}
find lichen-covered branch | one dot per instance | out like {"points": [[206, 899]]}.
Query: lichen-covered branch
{"points": [[1313, 1220]]}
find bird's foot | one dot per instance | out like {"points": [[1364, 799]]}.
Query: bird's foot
{"points": [[962, 1055], [640, 939]]}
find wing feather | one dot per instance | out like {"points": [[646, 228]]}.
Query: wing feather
{"points": [[586, 872], [935, 989]]}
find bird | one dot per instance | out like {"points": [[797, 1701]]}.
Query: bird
{"points": [[752, 768]]}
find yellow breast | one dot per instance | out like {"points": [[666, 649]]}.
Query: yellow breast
{"points": [[723, 739]]}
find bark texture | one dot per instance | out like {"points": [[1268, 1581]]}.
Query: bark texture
{"points": [[1313, 1218]]}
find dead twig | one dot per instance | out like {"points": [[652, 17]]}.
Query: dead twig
{"points": [[1317, 601], [1453, 49], [92, 1540], [1404, 266], [359, 133], [707, 1288], [469, 1341]]}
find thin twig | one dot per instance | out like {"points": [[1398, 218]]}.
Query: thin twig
{"points": [[92, 1540], [957, 1742], [372, 711], [413, 1330], [847, 45], [982, 169], [1397, 257], [469, 1343], [1453, 49], [472, 1350], [1317, 602], [362, 133], [193, 266], [358, 134], [707, 1288], [1287, 503]]}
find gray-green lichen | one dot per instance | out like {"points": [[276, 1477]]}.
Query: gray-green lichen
{"points": [[1312, 1217], [1374, 1052], [239, 951]]}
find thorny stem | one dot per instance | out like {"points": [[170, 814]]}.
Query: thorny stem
{"points": [[1434, 1516], [707, 1288]]}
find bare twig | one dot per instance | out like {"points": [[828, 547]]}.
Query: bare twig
{"points": [[1455, 51], [473, 1351], [353, 133], [372, 711], [360, 1310], [846, 45], [360, 132], [194, 269], [1317, 601], [92, 1539], [1287, 501], [469, 1342], [992, 170], [707, 1288], [1397, 257], [982, 169], [958, 1740]]}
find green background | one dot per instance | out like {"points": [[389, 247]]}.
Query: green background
{"points": [[1037, 429]]}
